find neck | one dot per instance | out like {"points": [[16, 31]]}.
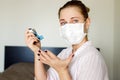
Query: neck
{"points": [[76, 46]]}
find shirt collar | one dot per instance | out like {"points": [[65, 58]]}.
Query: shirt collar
{"points": [[81, 48]]}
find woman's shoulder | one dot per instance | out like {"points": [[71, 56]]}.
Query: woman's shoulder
{"points": [[89, 52], [91, 55], [90, 49]]}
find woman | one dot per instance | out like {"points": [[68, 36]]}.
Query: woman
{"points": [[80, 61]]}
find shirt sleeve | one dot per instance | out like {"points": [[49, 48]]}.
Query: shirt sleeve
{"points": [[52, 74], [93, 67]]}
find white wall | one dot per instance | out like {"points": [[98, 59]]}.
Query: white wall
{"points": [[17, 15], [117, 41]]}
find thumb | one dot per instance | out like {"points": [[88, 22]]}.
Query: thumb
{"points": [[68, 60]]}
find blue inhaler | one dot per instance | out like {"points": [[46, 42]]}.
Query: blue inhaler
{"points": [[40, 37]]}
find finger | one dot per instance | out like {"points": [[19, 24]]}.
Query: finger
{"points": [[36, 40], [50, 54], [32, 40], [44, 60], [27, 32], [39, 53], [45, 55], [30, 35], [68, 60]]}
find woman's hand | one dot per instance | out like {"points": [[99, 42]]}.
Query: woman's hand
{"points": [[32, 42], [47, 57]]}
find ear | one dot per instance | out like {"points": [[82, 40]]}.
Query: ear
{"points": [[87, 24]]}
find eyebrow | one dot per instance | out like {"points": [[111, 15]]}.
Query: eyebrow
{"points": [[61, 19], [70, 18], [75, 17]]}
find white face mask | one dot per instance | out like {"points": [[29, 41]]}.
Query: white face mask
{"points": [[73, 33]]}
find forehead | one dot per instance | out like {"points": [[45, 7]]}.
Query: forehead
{"points": [[70, 12]]}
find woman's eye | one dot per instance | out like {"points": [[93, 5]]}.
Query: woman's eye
{"points": [[62, 23], [75, 21]]}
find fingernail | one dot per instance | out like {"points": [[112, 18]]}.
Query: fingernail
{"points": [[34, 42], [38, 54], [45, 50], [73, 55], [39, 51]]}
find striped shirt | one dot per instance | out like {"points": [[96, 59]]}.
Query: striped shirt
{"points": [[87, 64]]}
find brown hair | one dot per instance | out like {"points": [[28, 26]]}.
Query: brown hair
{"points": [[76, 3]]}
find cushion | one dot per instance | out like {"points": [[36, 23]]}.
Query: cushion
{"points": [[19, 71]]}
